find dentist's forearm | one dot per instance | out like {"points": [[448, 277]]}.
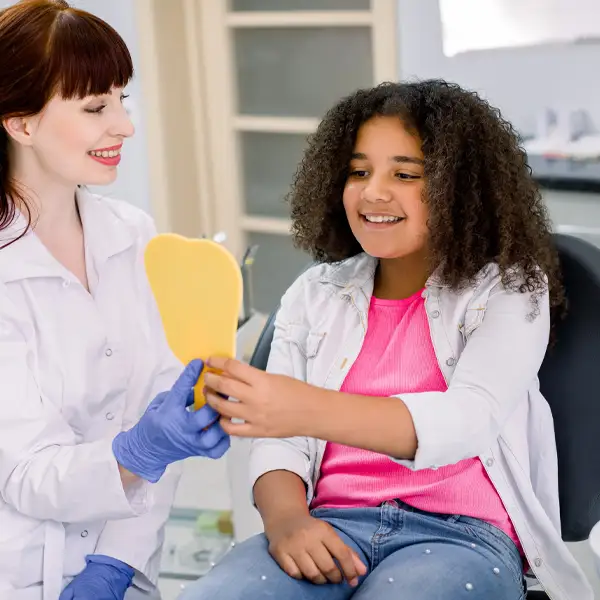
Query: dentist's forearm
{"points": [[381, 425], [127, 477]]}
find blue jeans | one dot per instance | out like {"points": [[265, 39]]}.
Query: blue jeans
{"points": [[410, 554]]}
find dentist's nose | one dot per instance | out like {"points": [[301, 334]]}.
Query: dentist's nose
{"points": [[123, 125]]}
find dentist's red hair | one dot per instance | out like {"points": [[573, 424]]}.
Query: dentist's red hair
{"points": [[48, 48]]}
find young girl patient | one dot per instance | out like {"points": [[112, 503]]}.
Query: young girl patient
{"points": [[403, 449]]}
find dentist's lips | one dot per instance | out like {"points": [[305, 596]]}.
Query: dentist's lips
{"points": [[110, 157]]}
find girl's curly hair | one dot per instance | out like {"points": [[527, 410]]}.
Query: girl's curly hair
{"points": [[484, 205]]}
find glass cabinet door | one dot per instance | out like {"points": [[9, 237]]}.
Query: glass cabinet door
{"points": [[286, 62]]}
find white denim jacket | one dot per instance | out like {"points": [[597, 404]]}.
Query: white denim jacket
{"points": [[489, 349]]}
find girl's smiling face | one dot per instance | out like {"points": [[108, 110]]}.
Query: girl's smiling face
{"points": [[384, 192]]}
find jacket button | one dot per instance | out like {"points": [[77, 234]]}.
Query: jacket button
{"points": [[84, 533], [435, 314], [451, 362]]}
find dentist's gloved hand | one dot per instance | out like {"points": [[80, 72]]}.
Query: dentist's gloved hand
{"points": [[104, 578], [169, 432]]}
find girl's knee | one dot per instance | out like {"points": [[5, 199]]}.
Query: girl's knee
{"points": [[241, 574]]}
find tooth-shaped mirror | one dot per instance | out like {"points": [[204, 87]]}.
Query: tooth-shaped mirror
{"points": [[198, 288]]}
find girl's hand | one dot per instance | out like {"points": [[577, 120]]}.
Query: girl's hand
{"points": [[271, 405], [307, 547]]}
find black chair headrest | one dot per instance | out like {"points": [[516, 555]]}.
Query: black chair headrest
{"points": [[570, 382]]}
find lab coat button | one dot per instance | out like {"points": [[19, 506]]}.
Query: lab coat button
{"points": [[489, 462], [435, 314], [109, 416], [108, 352], [451, 362], [537, 562], [66, 283], [84, 533]]}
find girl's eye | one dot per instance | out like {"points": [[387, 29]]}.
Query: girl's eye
{"points": [[407, 176], [359, 173]]}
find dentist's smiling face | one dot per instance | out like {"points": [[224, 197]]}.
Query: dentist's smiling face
{"points": [[383, 196], [78, 141]]}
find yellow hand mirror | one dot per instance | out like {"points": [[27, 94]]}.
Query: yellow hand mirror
{"points": [[197, 285]]}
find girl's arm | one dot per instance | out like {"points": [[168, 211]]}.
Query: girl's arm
{"points": [[280, 495], [382, 425], [498, 366], [287, 454]]}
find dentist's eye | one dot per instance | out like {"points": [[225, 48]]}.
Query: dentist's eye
{"points": [[95, 111], [123, 96]]}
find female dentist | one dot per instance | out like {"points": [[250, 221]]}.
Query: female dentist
{"points": [[92, 411]]}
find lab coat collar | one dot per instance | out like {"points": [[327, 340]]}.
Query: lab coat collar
{"points": [[105, 235]]}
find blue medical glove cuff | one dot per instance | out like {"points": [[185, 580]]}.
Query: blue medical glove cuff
{"points": [[132, 454], [101, 559]]}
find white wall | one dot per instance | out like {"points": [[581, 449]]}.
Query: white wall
{"points": [[520, 81]]}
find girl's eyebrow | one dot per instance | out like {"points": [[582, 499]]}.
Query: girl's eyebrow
{"points": [[399, 159]]}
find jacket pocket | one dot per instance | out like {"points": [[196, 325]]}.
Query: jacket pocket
{"points": [[473, 319], [307, 341]]}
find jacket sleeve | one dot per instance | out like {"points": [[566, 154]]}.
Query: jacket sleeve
{"points": [[499, 364], [289, 454], [138, 541], [44, 473]]}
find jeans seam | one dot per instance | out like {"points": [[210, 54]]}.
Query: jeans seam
{"points": [[380, 534]]}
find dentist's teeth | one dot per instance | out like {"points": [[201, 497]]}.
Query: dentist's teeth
{"points": [[381, 219], [105, 153]]}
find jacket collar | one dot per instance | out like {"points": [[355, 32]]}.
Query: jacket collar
{"points": [[359, 272], [105, 235]]}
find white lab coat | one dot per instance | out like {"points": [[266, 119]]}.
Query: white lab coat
{"points": [[76, 368]]}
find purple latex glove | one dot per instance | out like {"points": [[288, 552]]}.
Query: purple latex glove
{"points": [[169, 432], [104, 578]]}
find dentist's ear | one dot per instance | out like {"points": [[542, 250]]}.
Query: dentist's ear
{"points": [[20, 129]]}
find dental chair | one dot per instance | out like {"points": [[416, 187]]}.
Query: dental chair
{"points": [[570, 382]]}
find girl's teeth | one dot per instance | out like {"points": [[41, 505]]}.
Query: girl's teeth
{"points": [[381, 219]]}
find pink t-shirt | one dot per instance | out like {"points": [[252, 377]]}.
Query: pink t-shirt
{"points": [[398, 357]]}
